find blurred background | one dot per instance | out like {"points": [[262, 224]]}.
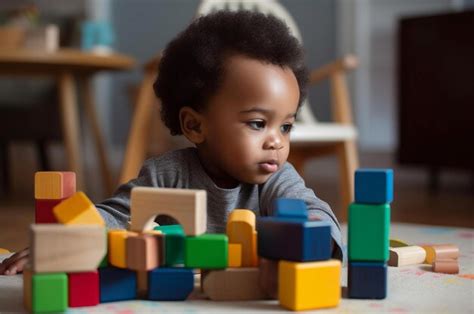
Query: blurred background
{"points": [[411, 95]]}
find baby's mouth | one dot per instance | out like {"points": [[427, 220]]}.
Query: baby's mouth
{"points": [[269, 166]]}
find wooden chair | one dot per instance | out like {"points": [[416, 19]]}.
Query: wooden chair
{"points": [[309, 139]]}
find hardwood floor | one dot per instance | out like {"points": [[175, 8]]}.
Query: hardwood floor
{"points": [[453, 205]]}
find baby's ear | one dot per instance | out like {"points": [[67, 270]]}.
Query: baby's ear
{"points": [[191, 124]]}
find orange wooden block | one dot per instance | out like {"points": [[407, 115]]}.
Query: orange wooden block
{"points": [[235, 255], [54, 184], [142, 252], [241, 230], [78, 210], [117, 247]]}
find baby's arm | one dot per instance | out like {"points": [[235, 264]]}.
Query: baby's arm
{"points": [[287, 183], [15, 263]]}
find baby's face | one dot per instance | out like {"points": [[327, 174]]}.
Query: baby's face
{"points": [[248, 121]]}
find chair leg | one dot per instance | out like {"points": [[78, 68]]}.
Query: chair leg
{"points": [[43, 155], [297, 160], [348, 163], [5, 171]]}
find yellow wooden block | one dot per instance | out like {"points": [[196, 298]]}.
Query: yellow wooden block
{"points": [[241, 230], [54, 184], [117, 247], [4, 251], [398, 243], [235, 255], [78, 210], [306, 286]]}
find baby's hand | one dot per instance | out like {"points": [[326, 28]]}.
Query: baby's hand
{"points": [[15, 263]]}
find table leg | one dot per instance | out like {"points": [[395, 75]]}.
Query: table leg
{"points": [[70, 126], [91, 115]]}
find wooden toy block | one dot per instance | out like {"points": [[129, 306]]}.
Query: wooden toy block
{"points": [[440, 251], [54, 184], [105, 261], [397, 243], [4, 251], [142, 252], [233, 284], [78, 210], [368, 232], [373, 186], [293, 240], [290, 208], [174, 244], [170, 284], [208, 251], [446, 266], [312, 285], [45, 292], [406, 255], [241, 230], [117, 284], [61, 248], [367, 280], [268, 277], [235, 255], [160, 242], [44, 211], [189, 207], [117, 247], [142, 284], [83, 289]]}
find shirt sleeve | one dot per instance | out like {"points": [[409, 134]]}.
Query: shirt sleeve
{"points": [[287, 183]]}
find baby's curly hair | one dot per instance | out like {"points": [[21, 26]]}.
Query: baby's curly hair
{"points": [[192, 65]]}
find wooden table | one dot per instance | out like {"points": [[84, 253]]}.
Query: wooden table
{"points": [[67, 66], [411, 289]]}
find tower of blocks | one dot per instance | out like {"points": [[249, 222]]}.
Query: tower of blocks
{"points": [[78, 262], [368, 233]]}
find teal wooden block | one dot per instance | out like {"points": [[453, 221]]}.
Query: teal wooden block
{"points": [[207, 251], [174, 244], [49, 292], [369, 228]]}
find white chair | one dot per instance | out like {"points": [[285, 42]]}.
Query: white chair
{"points": [[309, 138]]}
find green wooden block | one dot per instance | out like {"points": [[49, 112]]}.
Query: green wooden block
{"points": [[369, 228], [49, 292], [174, 244], [207, 251], [105, 261]]}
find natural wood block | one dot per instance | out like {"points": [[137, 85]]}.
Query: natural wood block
{"points": [[27, 277], [160, 242], [440, 251], [142, 284], [368, 232], [233, 284], [117, 248], [61, 248], [241, 230], [44, 211], [406, 255], [54, 184], [206, 251], [235, 255], [78, 210], [446, 266], [189, 207], [142, 252], [268, 278], [311, 285]]}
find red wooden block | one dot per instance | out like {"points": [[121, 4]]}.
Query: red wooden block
{"points": [[83, 289], [44, 211]]}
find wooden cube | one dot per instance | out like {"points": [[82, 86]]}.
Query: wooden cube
{"points": [[46, 292], [78, 210], [44, 211], [373, 186], [367, 280], [235, 255], [307, 286], [117, 249], [174, 244], [170, 284], [142, 252], [83, 289], [207, 251], [117, 284], [290, 208], [54, 185]]}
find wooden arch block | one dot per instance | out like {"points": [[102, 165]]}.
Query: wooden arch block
{"points": [[189, 207], [241, 230]]}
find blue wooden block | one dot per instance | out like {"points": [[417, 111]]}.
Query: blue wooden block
{"points": [[293, 240], [290, 208], [117, 284], [373, 186], [367, 280], [170, 284]]}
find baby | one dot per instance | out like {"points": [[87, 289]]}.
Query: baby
{"points": [[232, 84]]}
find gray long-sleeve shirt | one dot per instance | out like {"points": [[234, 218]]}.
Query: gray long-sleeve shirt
{"points": [[183, 169]]}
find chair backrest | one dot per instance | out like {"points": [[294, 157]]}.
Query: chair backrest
{"points": [[268, 7]]}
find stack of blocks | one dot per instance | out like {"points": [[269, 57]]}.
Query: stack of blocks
{"points": [[77, 262], [299, 251], [368, 233]]}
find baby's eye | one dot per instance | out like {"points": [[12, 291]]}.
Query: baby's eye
{"points": [[286, 128], [256, 125]]}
